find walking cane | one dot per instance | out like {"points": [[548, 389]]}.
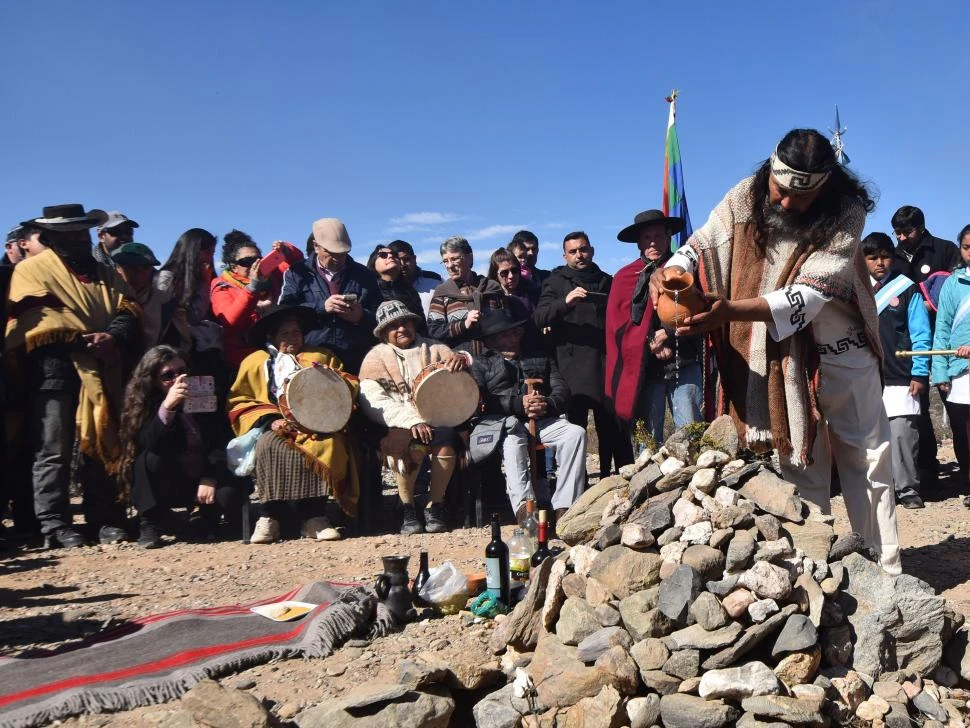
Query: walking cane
{"points": [[931, 352], [534, 444]]}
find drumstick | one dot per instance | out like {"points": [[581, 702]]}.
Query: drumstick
{"points": [[932, 352], [532, 386]]}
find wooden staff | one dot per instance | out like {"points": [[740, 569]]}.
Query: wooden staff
{"points": [[534, 444], [931, 352]]}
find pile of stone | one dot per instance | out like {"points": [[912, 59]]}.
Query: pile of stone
{"points": [[699, 590]]}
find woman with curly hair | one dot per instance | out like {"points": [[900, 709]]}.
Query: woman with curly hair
{"points": [[241, 293], [169, 458]]}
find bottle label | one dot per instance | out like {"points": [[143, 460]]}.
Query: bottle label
{"points": [[519, 569], [493, 576]]}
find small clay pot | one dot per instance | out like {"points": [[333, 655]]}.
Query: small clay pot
{"points": [[678, 298]]}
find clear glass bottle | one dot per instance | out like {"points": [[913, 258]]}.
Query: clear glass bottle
{"points": [[530, 525], [520, 554]]}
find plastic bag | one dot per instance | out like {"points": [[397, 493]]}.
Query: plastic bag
{"points": [[241, 452], [446, 588]]}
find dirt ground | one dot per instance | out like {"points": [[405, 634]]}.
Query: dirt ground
{"points": [[53, 597]]}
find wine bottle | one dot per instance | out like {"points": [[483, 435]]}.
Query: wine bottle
{"points": [[530, 525], [542, 551], [419, 581], [497, 564]]}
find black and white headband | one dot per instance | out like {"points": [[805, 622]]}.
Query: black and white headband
{"points": [[793, 179]]}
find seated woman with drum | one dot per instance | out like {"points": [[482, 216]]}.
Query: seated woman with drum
{"points": [[417, 389], [301, 399]]}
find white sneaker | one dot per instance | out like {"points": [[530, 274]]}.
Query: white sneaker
{"points": [[319, 528], [267, 530]]}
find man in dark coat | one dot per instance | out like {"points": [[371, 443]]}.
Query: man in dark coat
{"points": [[343, 292], [572, 306], [918, 255], [501, 369]]}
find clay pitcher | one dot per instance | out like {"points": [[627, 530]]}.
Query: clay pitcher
{"points": [[678, 298], [392, 588]]}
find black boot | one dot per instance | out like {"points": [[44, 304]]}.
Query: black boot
{"points": [[434, 519], [410, 524], [149, 535]]}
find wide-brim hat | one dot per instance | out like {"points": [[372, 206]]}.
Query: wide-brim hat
{"points": [[631, 233], [390, 312], [497, 321], [67, 218], [304, 315]]}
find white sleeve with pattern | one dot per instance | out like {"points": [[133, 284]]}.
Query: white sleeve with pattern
{"points": [[792, 309], [685, 257]]}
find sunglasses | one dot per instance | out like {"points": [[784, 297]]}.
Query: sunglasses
{"points": [[170, 375], [246, 262], [385, 254]]}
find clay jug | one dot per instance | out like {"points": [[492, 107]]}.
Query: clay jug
{"points": [[392, 588], [678, 298]]}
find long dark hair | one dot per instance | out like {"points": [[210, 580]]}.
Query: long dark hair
{"points": [[184, 264], [502, 255], [809, 151], [142, 400]]}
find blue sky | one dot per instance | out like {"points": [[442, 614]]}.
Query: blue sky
{"points": [[423, 120]]}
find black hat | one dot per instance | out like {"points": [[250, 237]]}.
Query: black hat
{"points": [[496, 321], [67, 218], [631, 233], [304, 315]]}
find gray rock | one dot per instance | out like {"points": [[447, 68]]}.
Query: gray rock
{"points": [[760, 610], [812, 537], [657, 513], [708, 612], [689, 711], [698, 533], [774, 495], [737, 477], [798, 634], [555, 596], [768, 526], [213, 705], [767, 580], [721, 537], [560, 679], [772, 550], [751, 638], [705, 560], [607, 616], [808, 595], [712, 459], [636, 536], [582, 520], [660, 682], [671, 535], [577, 621], [625, 571], [930, 706], [643, 712], [607, 536], [849, 543], [723, 435], [795, 711], [521, 628], [705, 479], [600, 641], [677, 592], [735, 517], [738, 683], [725, 496], [677, 479], [739, 552], [683, 443], [897, 717], [650, 654], [574, 585], [642, 484], [696, 637], [421, 670], [431, 709], [500, 709], [683, 664], [641, 617], [722, 587]]}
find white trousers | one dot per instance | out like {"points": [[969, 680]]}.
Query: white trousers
{"points": [[570, 443], [855, 431]]}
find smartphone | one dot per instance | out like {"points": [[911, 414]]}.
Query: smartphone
{"points": [[202, 395], [350, 297], [279, 260]]}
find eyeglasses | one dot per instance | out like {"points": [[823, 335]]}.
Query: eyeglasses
{"points": [[246, 262], [170, 375], [385, 254]]}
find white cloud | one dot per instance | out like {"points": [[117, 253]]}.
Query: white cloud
{"points": [[493, 231], [420, 221]]}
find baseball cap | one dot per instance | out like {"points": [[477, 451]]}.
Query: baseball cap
{"points": [[134, 254], [116, 218], [14, 234], [331, 235]]}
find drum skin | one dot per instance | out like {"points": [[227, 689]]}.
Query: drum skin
{"points": [[445, 398], [317, 400]]}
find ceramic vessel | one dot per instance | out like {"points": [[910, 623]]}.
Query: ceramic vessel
{"points": [[392, 588], [678, 298]]}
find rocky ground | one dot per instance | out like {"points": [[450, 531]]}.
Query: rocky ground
{"points": [[52, 597]]}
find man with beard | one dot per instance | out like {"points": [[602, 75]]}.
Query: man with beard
{"points": [[572, 306], [780, 252]]}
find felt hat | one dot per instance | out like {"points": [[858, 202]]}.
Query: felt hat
{"points": [[331, 235], [134, 254], [304, 315], [631, 233], [391, 312], [67, 218], [497, 321]]}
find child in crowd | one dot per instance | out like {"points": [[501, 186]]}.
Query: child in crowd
{"points": [[904, 325], [950, 373]]}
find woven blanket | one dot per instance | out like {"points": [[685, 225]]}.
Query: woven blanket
{"points": [[159, 658]]}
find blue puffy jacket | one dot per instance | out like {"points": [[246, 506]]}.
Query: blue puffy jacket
{"points": [[304, 286], [952, 327]]}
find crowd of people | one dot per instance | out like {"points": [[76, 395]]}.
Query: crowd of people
{"points": [[167, 389]]}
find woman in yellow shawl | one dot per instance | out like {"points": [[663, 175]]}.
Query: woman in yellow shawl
{"points": [[293, 469]]}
